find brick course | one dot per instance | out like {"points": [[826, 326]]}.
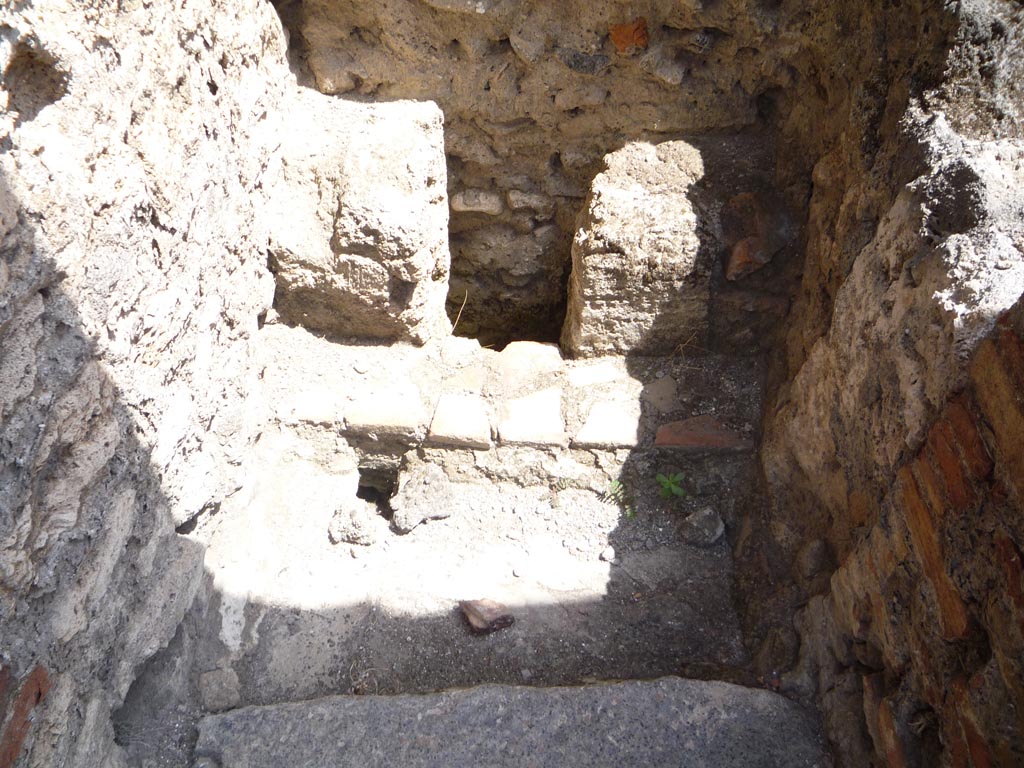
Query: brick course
{"points": [[32, 690], [954, 511], [923, 532], [944, 455], [998, 395], [961, 420]]}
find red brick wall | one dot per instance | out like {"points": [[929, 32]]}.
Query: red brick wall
{"points": [[936, 591]]}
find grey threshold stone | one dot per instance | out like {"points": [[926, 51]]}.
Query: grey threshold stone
{"points": [[666, 722]]}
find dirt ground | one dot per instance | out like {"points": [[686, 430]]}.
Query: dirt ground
{"points": [[605, 577]]}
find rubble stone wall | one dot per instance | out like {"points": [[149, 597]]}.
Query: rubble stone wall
{"points": [[888, 443], [534, 95], [134, 140], [919, 638], [139, 142]]}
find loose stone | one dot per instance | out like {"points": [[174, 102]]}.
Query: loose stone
{"points": [[356, 524], [486, 616], [702, 528]]}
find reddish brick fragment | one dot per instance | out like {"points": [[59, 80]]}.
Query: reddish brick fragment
{"points": [[965, 432], [485, 616], [746, 230], [891, 743], [932, 689], [941, 445], [700, 433], [629, 37], [882, 726], [997, 394], [748, 255], [976, 744], [33, 688], [930, 484], [953, 616]]}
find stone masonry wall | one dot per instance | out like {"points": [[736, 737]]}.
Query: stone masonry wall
{"points": [[534, 95], [924, 624], [886, 445], [912, 247], [136, 141], [942, 261], [134, 137]]}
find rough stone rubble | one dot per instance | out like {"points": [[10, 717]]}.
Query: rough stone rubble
{"points": [[133, 280], [135, 142], [358, 219]]}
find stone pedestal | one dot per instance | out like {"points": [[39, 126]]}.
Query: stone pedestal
{"points": [[359, 220], [641, 257]]}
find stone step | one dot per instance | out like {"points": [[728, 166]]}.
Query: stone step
{"points": [[665, 722]]}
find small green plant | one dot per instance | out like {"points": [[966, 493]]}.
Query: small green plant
{"points": [[670, 486], [620, 497]]}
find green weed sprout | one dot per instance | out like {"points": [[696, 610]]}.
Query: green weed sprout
{"points": [[671, 485]]}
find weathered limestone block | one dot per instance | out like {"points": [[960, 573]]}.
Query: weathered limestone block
{"points": [[477, 201], [461, 420], [534, 419], [359, 220], [641, 258], [610, 424]]}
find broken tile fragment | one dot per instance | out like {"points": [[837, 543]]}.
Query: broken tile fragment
{"points": [[748, 255], [485, 616], [755, 228], [700, 433]]}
